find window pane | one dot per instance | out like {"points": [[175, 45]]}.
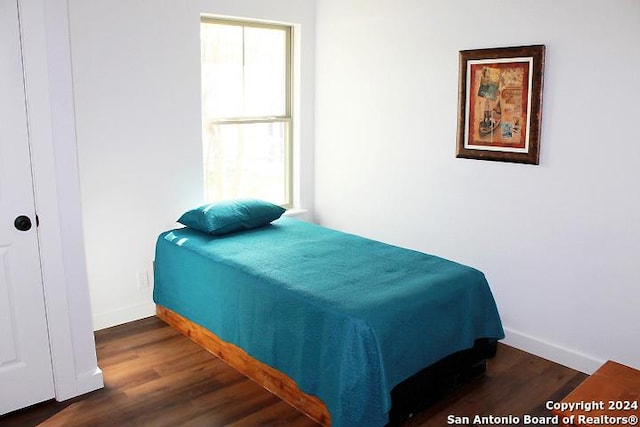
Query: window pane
{"points": [[222, 70], [246, 160], [265, 72], [244, 71]]}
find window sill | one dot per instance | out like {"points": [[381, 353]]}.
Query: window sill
{"points": [[298, 213]]}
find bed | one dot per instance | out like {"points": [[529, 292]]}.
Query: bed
{"points": [[336, 320]]}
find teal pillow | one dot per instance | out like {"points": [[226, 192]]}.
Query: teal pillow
{"points": [[231, 215]]}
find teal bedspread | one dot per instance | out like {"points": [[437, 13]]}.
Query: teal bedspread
{"points": [[346, 317]]}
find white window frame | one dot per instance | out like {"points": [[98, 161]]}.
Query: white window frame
{"points": [[287, 118]]}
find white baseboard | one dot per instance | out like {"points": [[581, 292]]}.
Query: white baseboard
{"points": [[555, 353], [90, 381], [84, 383], [123, 315]]}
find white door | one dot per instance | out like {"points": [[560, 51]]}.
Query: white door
{"points": [[25, 362]]}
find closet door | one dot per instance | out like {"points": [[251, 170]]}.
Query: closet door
{"points": [[25, 362]]}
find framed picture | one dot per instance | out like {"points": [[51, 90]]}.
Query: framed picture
{"points": [[500, 104]]}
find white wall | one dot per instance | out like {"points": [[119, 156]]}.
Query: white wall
{"points": [[136, 74], [559, 242]]}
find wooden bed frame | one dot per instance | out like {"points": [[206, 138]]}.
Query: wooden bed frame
{"points": [[271, 379], [413, 394]]}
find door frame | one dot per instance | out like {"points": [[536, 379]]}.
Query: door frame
{"points": [[46, 48]]}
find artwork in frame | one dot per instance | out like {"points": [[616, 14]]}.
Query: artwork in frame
{"points": [[500, 104]]}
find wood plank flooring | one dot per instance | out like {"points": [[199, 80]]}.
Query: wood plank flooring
{"points": [[154, 376]]}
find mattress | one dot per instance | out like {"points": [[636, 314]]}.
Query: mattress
{"points": [[346, 317]]}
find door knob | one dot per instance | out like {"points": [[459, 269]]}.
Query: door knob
{"points": [[22, 223]]}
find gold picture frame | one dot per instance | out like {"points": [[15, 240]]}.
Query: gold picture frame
{"points": [[500, 104]]}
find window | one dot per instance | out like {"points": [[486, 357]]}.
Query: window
{"points": [[246, 110]]}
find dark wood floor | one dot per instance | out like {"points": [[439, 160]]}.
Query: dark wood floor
{"points": [[156, 377]]}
